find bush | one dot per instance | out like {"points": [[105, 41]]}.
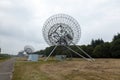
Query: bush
{"points": [[102, 51], [115, 48]]}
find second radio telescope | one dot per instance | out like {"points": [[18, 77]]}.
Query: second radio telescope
{"points": [[28, 49]]}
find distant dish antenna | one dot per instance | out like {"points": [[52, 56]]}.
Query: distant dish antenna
{"points": [[62, 30], [28, 49]]}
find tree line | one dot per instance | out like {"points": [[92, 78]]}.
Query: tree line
{"points": [[4, 56], [97, 49]]}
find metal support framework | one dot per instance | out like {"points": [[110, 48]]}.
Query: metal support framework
{"points": [[51, 53], [84, 52], [91, 59], [76, 53]]}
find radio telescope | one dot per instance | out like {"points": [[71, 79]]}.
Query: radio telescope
{"points": [[63, 30], [28, 49]]}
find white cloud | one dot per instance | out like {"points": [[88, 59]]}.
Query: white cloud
{"points": [[21, 21]]}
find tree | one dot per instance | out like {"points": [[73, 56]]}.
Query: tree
{"points": [[88, 49], [97, 48], [116, 37], [39, 52], [115, 48], [94, 43], [102, 51]]}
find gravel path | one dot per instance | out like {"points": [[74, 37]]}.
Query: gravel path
{"points": [[6, 69]]}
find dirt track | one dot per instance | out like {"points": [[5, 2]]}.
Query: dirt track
{"points": [[6, 69]]}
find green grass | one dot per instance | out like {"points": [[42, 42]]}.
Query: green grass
{"points": [[3, 59], [101, 69]]}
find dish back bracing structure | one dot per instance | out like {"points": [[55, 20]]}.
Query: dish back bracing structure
{"points": [[62, 30]]}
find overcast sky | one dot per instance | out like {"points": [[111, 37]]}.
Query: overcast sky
{"points": [[21, 21]]}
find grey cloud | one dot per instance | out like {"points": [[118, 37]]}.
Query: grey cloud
{"points": [[13, 46], [21, 20]]}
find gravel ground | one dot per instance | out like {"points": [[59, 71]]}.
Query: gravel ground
{"points": [[6, 69]]}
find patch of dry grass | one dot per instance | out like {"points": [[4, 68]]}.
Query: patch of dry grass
{"points": [[101, 69]]}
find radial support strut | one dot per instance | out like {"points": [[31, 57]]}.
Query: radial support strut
{"points": [[84, 52], [51, 53], [77, 53]]}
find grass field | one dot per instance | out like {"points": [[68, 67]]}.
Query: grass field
{"points": [[3, 59], [77, 69]]}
